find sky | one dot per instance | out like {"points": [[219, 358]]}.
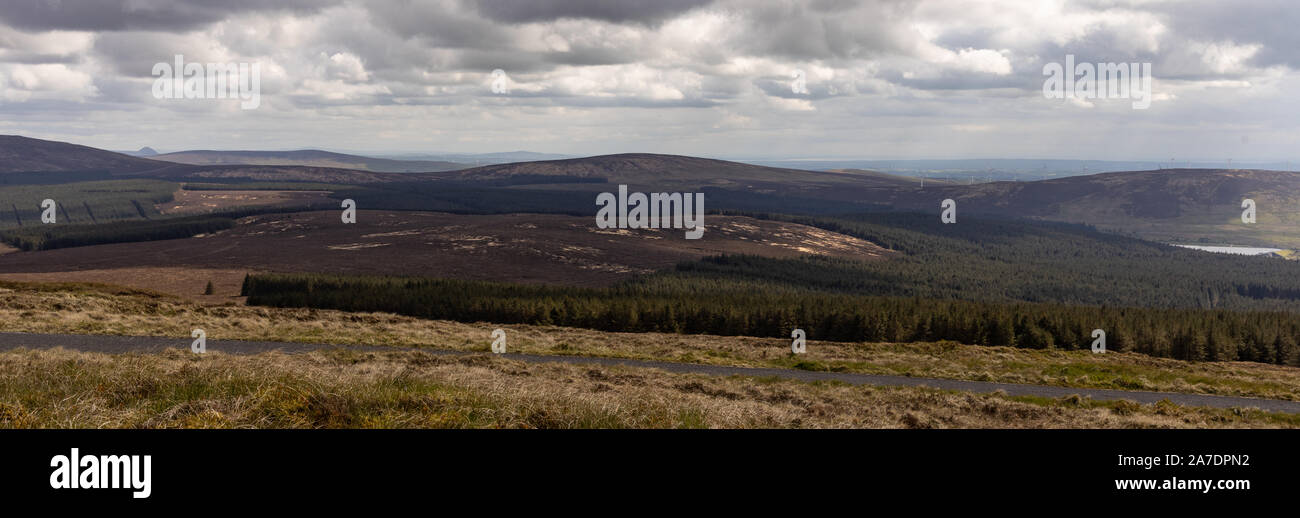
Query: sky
{"points": [[890, 79]]}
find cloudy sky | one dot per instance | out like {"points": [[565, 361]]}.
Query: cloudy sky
{"points": [[884, 79]]}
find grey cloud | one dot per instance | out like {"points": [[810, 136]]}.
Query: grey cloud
{"points": [[133, 54], [440, 24], [123, 92], [1269, 23], [622, 11], [33, 58], [116, 15], [552, 98], [826, 30], [717, 88], [953, 81], [511, 61], [783, 88], [593, 56], [599, 102]]}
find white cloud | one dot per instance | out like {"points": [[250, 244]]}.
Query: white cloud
{"points": [[345, 67], [46, 82], [52, 43]]}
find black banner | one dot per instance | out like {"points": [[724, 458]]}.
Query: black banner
{"points": [[158, 468]]}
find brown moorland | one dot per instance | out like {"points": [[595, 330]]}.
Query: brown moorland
{"points": [[553, 249], [201, 202]]}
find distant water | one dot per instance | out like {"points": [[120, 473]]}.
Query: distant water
{"points": [[1238, 250]]}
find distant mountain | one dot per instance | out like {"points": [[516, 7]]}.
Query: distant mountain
{"points": [[480, 159], [35, 161], [657, 172], [145, 151], [29, 155], [1198, 206], [310, 158], [991, 169]]}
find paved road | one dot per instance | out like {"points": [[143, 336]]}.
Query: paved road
{"points": [[121, 344]]}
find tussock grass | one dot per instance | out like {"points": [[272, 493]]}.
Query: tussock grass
{"points": [[415, 389], [90, 309]]}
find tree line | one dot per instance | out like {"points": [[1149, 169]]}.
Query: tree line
{"points": [[58, 235], [691, 305], [47, 237], [1021, 260]]}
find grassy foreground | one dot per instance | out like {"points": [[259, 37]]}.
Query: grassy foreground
{"points": [[401, 389], [88, 309]]}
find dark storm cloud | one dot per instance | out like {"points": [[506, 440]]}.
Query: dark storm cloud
{"points": [[617, 11], [116, 15]]}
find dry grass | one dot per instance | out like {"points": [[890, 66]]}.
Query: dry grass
{"points": [[184, 283], [199, 202], [83, 309], [414, 389]]}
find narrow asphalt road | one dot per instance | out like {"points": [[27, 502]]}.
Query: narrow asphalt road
{"points": [[122, 344]]}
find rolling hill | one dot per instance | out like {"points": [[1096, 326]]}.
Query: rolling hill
{"points": [[271, 173], [28, 155], [649, 168], [531, 248], [308, 157], [26, 160], [640, 170], [1169, 205], [478, 159], [1190, 206], [655, 172]]}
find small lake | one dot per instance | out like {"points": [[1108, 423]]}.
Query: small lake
{"points": [[1228, 249]]}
